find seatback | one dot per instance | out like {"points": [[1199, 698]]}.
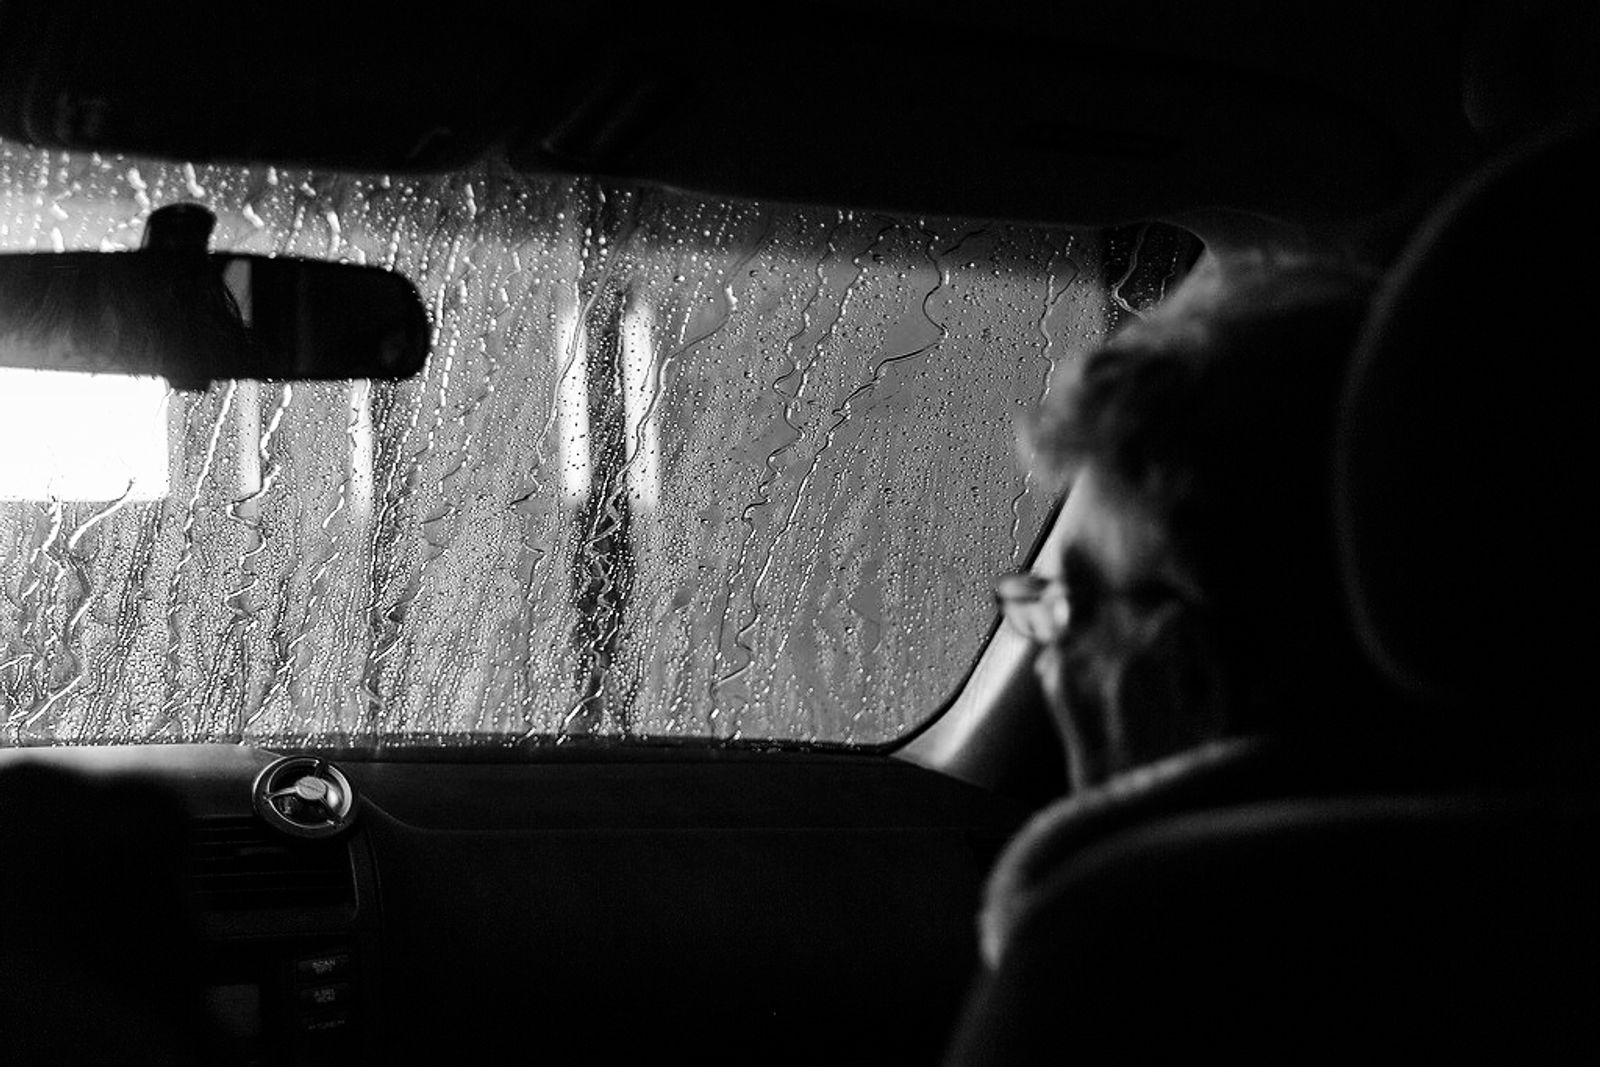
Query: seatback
{"points": [[100, 947], [1425, 899], [1465, 461], [1383, 928]]}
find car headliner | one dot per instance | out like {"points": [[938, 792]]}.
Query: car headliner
{"points": [[1223, 114]]}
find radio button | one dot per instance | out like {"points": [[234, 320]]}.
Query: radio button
{"points": [[326, 996], [320, 968], [330, 1023]]}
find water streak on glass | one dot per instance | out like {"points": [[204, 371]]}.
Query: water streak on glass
{"points": [[677, 467], [1052, 350]]}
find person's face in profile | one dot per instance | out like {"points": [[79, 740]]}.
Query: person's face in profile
{"points": [[1102, 613]]}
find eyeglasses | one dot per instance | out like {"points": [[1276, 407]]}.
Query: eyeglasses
{"points": [[1039, 609], [1034, 606]]}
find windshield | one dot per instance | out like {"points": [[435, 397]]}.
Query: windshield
{"points": [[677, 468]]}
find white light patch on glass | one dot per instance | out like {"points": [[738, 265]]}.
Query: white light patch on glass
{"points": [[643, 440], [70, 436], [359, 430], [572, 407]]}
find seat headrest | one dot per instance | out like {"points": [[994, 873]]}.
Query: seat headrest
{"points": [[1465, 457]]}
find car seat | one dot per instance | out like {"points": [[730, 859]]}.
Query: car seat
{"points": [[1425, 894]]}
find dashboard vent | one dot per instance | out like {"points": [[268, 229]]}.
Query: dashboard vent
{"points": [[239, 864], [305, 797]]}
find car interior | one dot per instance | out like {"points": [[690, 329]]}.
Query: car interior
{"points": [[598, 663]]}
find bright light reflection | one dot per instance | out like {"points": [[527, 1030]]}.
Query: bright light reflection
{"points": [[81, 436], [572, 407], [643, 440]]}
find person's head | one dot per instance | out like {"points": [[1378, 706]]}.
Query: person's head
{"points": [[1196, 545]]}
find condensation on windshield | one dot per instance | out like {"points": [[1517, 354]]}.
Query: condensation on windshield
{"points": [[676, 468]]}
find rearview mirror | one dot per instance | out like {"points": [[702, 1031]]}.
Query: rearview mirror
{"points": [[194, 317]]}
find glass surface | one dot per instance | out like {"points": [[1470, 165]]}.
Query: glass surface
{"points": [[677, 467]]}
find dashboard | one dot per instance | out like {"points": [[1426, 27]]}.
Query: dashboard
{"points": [[721, 904]]}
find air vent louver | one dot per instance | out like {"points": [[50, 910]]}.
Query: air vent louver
{"points": [[305, 797], [239, 864]]}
